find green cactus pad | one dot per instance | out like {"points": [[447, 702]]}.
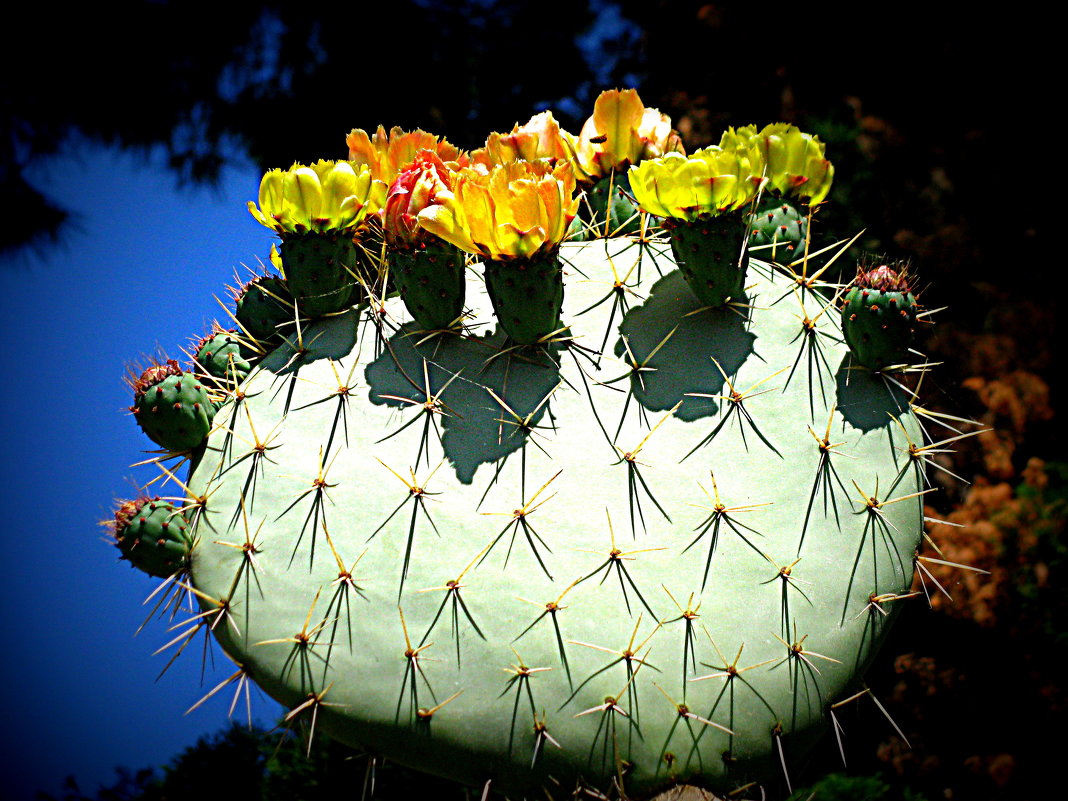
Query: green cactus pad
{"points": [[879, 318], [527, 295], [172, 407], [777, 231], [608, 209], [553, 567], [263, 305], [431, 283], [707, 252], [319, 271], [222, 356], [153, 534]]}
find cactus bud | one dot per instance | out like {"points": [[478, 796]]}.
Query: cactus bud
{"points": [[879, 315], [171, 406], [153, 535]]}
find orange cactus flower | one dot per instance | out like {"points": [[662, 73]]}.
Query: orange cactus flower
{"points": [[622, 132], [514, 211], [387, 155], [540, 138]]}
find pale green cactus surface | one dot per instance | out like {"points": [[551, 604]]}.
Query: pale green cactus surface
{"points": [[655, 551]]}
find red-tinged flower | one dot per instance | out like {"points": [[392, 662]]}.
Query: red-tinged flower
{"points": [[427, 181]]}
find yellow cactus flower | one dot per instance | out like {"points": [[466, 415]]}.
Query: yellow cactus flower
{"points": [[540, 138], [514, 211], [711, 181], [387, 155], [622, 132], [326, 196], [795, 162]]}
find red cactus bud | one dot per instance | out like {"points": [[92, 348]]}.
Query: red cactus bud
{"points": [[417, 186], [153, 375], [884, 278]]}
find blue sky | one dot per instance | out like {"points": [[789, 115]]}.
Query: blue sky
{"points": [[137, 274]]}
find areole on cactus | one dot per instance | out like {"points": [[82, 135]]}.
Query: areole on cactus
{"points": [[544, 543]]}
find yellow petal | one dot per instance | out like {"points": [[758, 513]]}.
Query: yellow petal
{"points": [[260, 218], [303, 194], [516, 241], [271, 193], [339, 184], [442, 221]]}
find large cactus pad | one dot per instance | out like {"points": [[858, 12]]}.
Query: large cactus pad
{"points": [[542, 567]]}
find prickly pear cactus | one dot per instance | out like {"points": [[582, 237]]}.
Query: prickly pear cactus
{"points": [[262, 307], [777, 231], [222, 356], [599, 531], [645, 564]]}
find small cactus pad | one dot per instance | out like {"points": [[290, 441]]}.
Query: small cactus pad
{"points": [[431, 283], [320, 270], [222, 356], [262, 305], [629, 565], [153, 534], [527, 295], [711, 253], [777, 231], [879, 316], [172, 407], [610, 210]]}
